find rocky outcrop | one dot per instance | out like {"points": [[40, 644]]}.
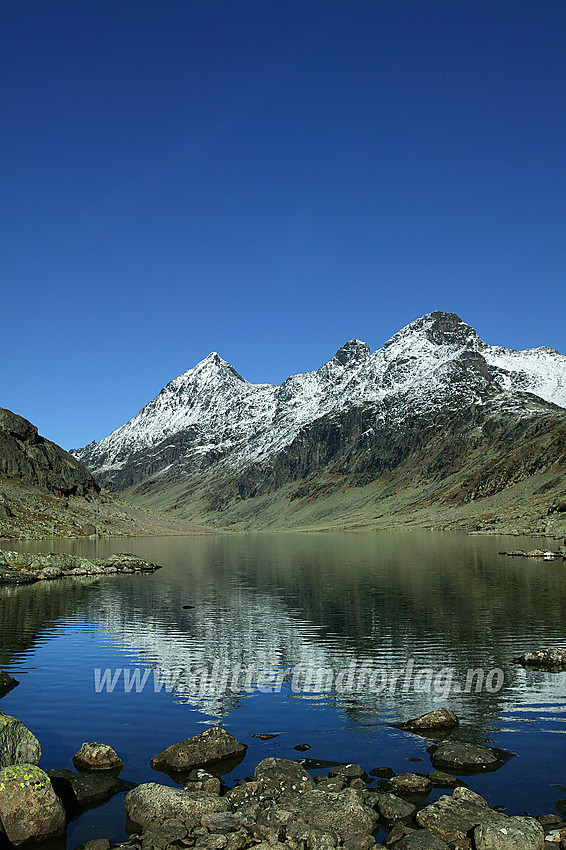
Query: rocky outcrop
{"points": [[151, 805], [28, 457], [26, 568], [524, 832]]}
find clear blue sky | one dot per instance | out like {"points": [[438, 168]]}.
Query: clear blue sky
{"points": [[267, 179]]}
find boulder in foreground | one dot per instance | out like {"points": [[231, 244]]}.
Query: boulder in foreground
{"points": [[30, 810], [212, 746]]}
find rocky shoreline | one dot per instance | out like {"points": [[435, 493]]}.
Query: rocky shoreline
{"points": [[283, 805], [18, 568]]}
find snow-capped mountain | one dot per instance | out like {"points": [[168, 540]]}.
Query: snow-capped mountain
{"points": [[212, 421]]}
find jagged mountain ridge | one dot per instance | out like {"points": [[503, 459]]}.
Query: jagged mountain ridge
{"points": [[211, 416]]}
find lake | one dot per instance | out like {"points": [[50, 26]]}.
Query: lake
{"points": [[323, 639]]}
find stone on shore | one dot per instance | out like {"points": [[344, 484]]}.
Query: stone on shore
{"points": [[452, 818], [17, 744], [524, 832], [212, 746], [410, 783], [342, 812], [280, 775], [6, 683], [392, 808], [551, 660], [94, 756], [30, 810], [459, 756], [421, 839], [148, 806], [432, 721]]}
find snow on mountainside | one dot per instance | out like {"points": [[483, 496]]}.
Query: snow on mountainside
{"points": [[220, 418]]}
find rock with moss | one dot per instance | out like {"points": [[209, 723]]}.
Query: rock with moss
{"points": [[17, 744], [148, 806], [26, 567], [524, 832], [213, 746], [30, 810]]}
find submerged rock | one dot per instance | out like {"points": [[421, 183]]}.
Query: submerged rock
{"points": [[212, 746], [93, 756], [553, 660], [79, 791], [17, 744], [460, 756], [30, 810]]}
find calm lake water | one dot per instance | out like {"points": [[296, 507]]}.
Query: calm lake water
{"points": [[388, 623]]}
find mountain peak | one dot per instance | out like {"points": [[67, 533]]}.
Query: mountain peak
{"points": [[215, 364], [352, 352], [440, 328]]}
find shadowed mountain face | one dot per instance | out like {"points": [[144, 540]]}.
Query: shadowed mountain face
{"points": [[31, 459], [436, 416]]}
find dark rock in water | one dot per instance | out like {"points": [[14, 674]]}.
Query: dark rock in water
{"points": [[148, 806], [302, 747], [29, 458], [433, 721], [212, 746], [317, 764], [187, 607], [383, 772], [17, 744], [552, 660], [524, 832], [440, 779], [30, 811], [9, 576], [281, 775], [460, 756], [93, 756], [7, 683], [81, 791], [267, 736]]}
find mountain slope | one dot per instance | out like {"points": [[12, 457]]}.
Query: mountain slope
{"points": [[436, 401]]}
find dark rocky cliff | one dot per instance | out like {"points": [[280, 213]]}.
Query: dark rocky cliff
{"points": [[28, 457]]}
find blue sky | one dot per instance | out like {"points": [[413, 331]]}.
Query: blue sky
{"points": [[268, 180]]}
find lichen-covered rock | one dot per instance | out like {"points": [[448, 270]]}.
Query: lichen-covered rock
{"points": [[148, 806], [473, 758], [422, 839], [17, 744], [526, 833], [209, 747], [432, 721], [25, 567], [93, 756], [281, 775], [30, 810]]}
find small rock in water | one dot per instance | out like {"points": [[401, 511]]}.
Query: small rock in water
{"points": [[432, 721], [93, 756], [302, 747], [187, 607], [267, 736], [552, 660]]}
